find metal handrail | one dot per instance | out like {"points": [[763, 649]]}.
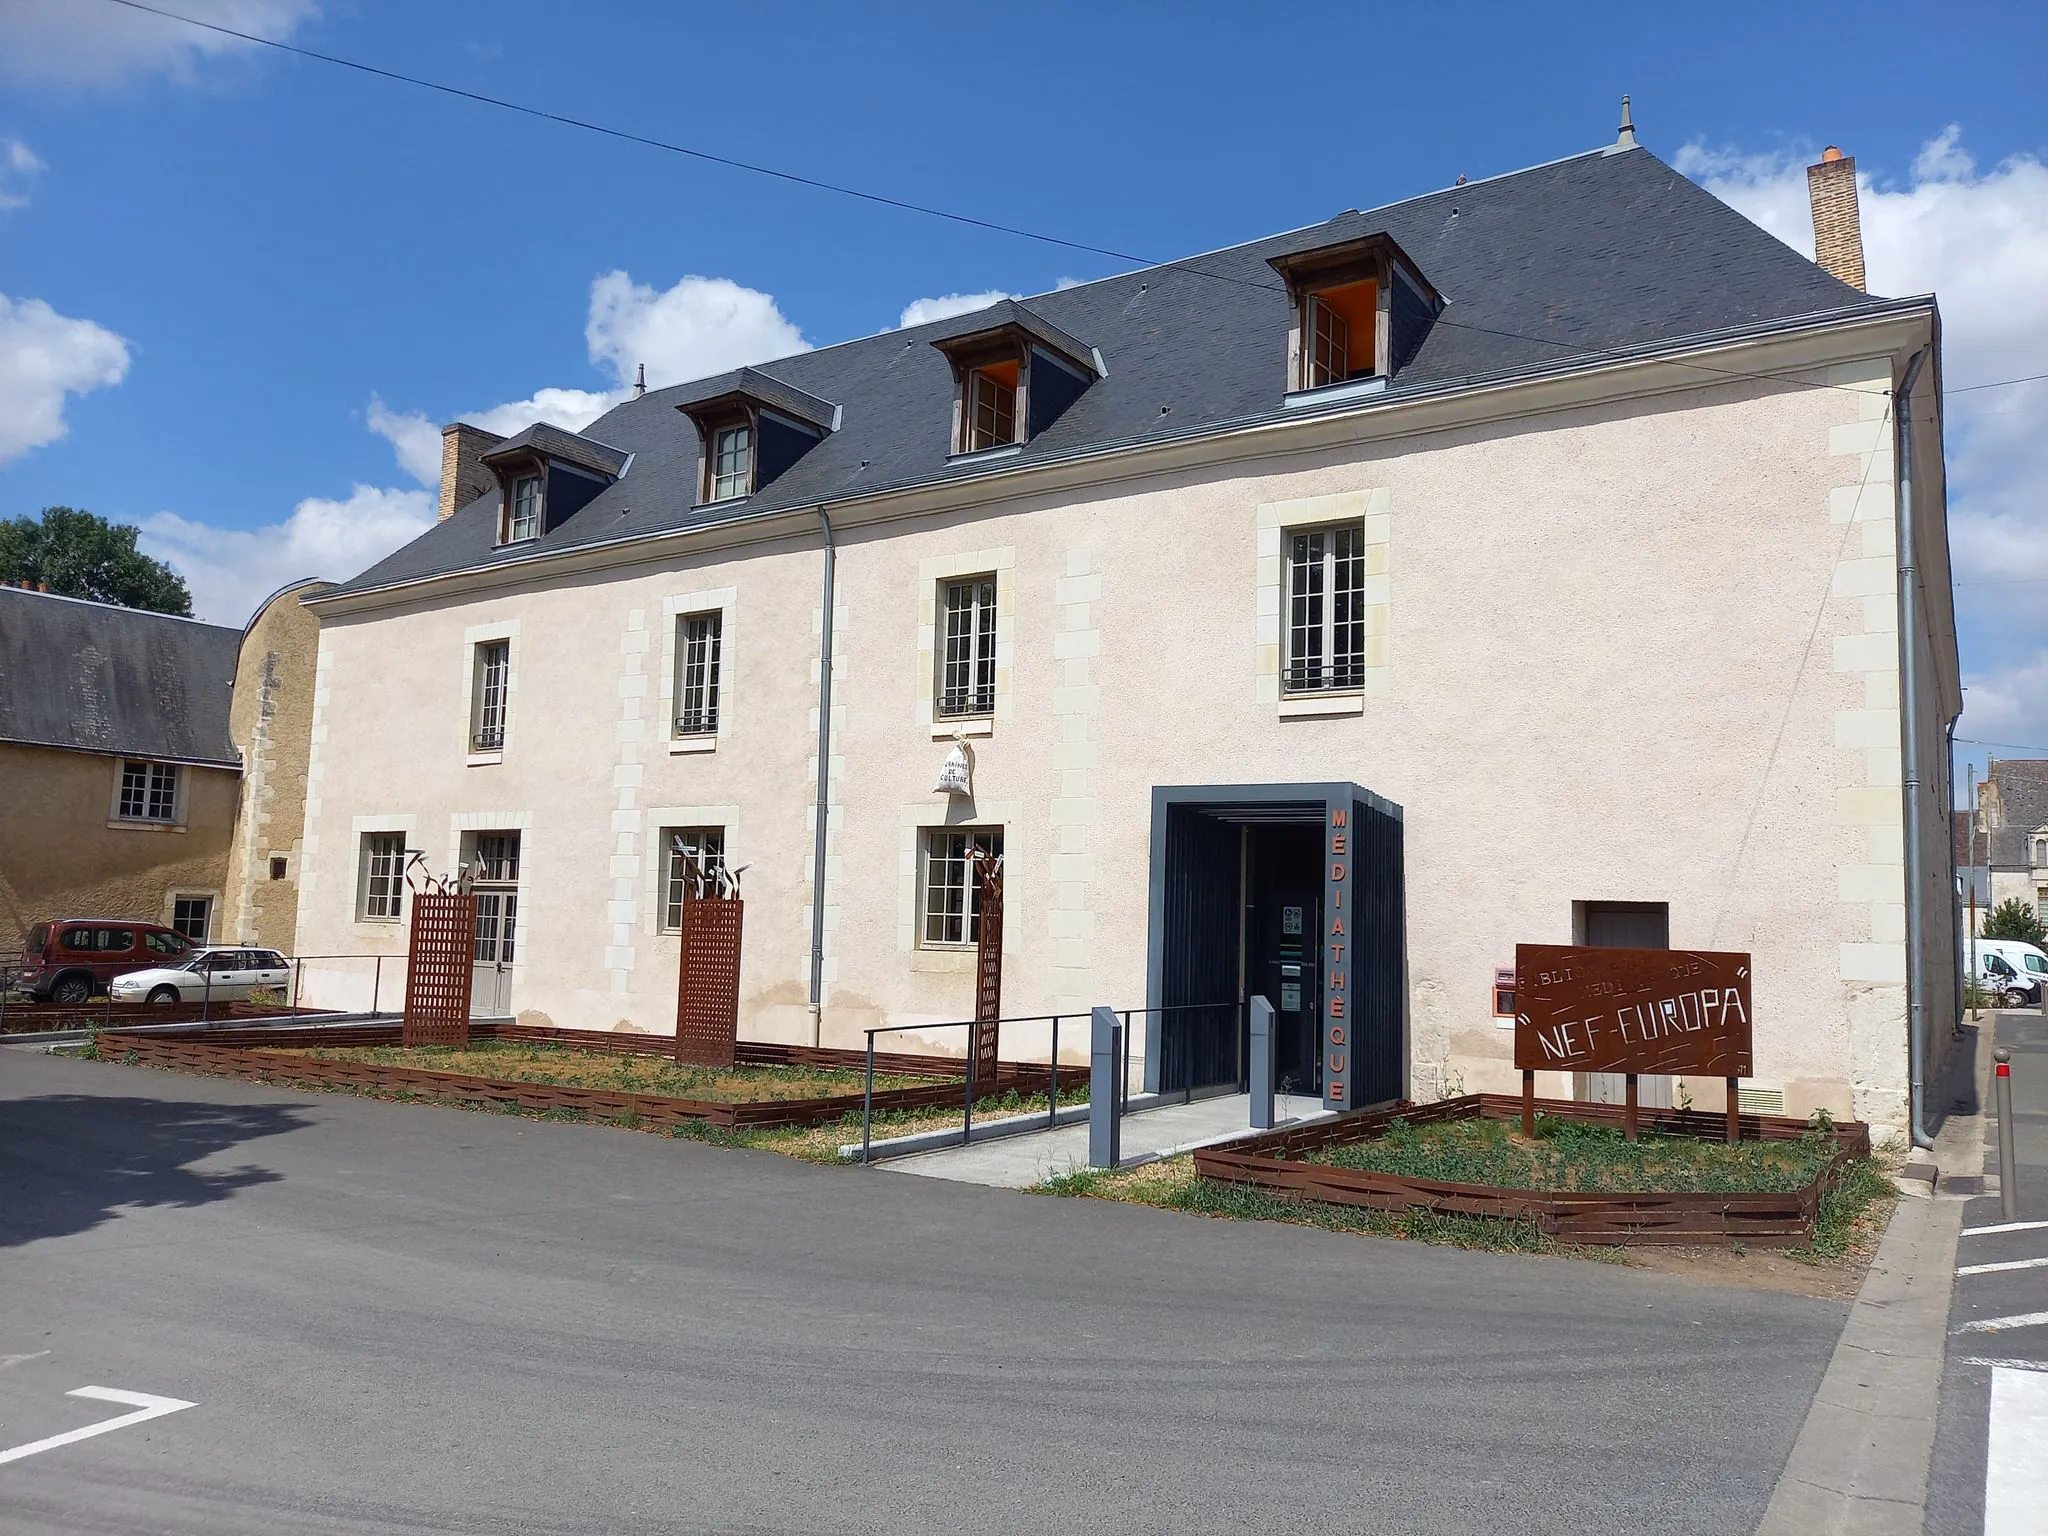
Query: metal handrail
{"points": [[867, 1109]]}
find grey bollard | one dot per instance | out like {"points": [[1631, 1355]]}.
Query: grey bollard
{"points": [[1105, 1061], [2008, 1161], [1263, 1045]]}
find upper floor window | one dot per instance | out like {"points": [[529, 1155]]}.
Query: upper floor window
{"points": [[2041, 850], [690, 854], [990, 420], [1339, 326], [149, 791], [732, 463], [699, 639], [1361, 312], [522, 520], [381, 879], [1325, 609], [493, 676], [967, 661]]}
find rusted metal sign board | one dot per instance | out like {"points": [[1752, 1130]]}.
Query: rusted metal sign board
{"points": [[1683, 1012]]}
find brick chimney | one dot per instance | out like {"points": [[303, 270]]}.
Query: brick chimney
{"points": [[463, 476], [1837, 222]]}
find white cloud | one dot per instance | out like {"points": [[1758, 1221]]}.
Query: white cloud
{"points": [[571, 409], [19, 165], [416, 440], [703, 325], [947, 305], [230, 570], [1979, 241], [45, 356], [90, 42]]}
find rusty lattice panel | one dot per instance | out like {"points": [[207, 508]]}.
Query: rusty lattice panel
{"points": [[708, 1000], [988, 972], [438, 968]]}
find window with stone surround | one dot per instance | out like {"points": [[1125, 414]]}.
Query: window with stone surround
{"points": [[967, 653], [687, 853], [950, 887], [699, 643], [381, 878], [1325, 618], [149, 792]]}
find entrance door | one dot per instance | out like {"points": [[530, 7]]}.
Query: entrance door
{"points": [[495, 859], [1287, 949]]}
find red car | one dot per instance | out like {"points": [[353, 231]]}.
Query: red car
{"points": [[71, 960]]}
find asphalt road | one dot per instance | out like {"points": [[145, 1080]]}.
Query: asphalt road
{"points": [[394, 1318], [1956, 1490]]}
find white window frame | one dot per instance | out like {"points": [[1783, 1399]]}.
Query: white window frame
{"points": [[990, 397], [957, 917], [158, 793], [730, 466], [700, 672], [1329, 346], [490, 698], [967, 610], [496, 888], [1322, 622], [522, 521], [371, 902], [708, 842]]}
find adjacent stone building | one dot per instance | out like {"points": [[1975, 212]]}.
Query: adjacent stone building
{"points": [[123, 742]]}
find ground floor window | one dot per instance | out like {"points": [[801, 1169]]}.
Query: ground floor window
{"points": [[952, 893], [192, 916], [494, 860], [381, 880], [686, 851]]}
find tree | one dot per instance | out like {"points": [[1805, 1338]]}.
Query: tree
{"points": [[2014, 919], [82, 555]]}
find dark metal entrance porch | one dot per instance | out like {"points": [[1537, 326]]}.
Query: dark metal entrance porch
{"points": [[1289, 891]]}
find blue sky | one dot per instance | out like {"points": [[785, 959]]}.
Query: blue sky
{"points": [[224, 265]]}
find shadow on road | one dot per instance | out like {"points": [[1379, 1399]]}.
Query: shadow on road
{"points": [[71, 1161]]}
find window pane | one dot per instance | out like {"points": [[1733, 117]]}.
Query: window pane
{"points": [[524, 522], [952, 894], [1329, 346], [493, 671], [1347, 608], [1305, 612], [732, 462], [967, 679], [686, 850], [134, 789], [992, 412], [697, 695]]}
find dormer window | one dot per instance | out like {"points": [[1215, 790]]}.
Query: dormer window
{"points": [[523, 520], [732, 463], [991, 416], [1016, 375], [1361, 311], [753, 430]]}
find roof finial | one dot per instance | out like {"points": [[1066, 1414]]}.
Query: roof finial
{"points": [[640, 381], [1626, 139]]}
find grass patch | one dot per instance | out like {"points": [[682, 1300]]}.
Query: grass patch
{"points": [[524, 1061], [1573, 1156]]}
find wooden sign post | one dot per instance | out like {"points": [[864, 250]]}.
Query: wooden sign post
{"points": [[1674, 1011]]}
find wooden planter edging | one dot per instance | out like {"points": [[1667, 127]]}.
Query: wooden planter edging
{"points": [[1276, 1160], [253, 1054], [36, 1018]]}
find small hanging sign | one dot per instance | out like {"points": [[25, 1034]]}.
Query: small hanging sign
{"points": [[956, 774]]}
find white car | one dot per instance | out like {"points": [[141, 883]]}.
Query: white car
{"points": [[216, 974]]}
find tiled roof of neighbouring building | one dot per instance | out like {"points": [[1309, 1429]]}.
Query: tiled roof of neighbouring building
{"points": [[1547, 267], [99, 678]]}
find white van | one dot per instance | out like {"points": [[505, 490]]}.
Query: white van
{"points": [[2012, 968]]}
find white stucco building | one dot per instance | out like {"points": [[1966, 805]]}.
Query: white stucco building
{"points": [[1549, 523]]}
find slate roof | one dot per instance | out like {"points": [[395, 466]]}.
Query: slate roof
{"points": [[2023, 809], [762, 386], [571, 447], [1010, 312], [1541, 269], [99, 678]]}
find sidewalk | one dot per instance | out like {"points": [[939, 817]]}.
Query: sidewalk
{"points": [[1018, 1162], [1863, 1458]]}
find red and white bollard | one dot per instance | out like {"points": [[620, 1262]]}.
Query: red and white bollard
{"points": [[2008, 1164]]}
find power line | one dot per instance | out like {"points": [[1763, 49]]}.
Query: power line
{"points": [[2017, 746], [903, 204]]}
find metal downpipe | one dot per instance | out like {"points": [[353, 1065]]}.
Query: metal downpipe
{"points": [[824, 784], [1910, 664]]}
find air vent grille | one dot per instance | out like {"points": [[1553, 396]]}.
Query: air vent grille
{"points": [[1760, 1101]]}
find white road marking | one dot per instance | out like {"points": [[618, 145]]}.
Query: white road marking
{"points": [[2010, 1365], [1992, 1269], [2016, 1454], [2005, 1226], [7, 1360], [1999, 1324], [146, 1407]]}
